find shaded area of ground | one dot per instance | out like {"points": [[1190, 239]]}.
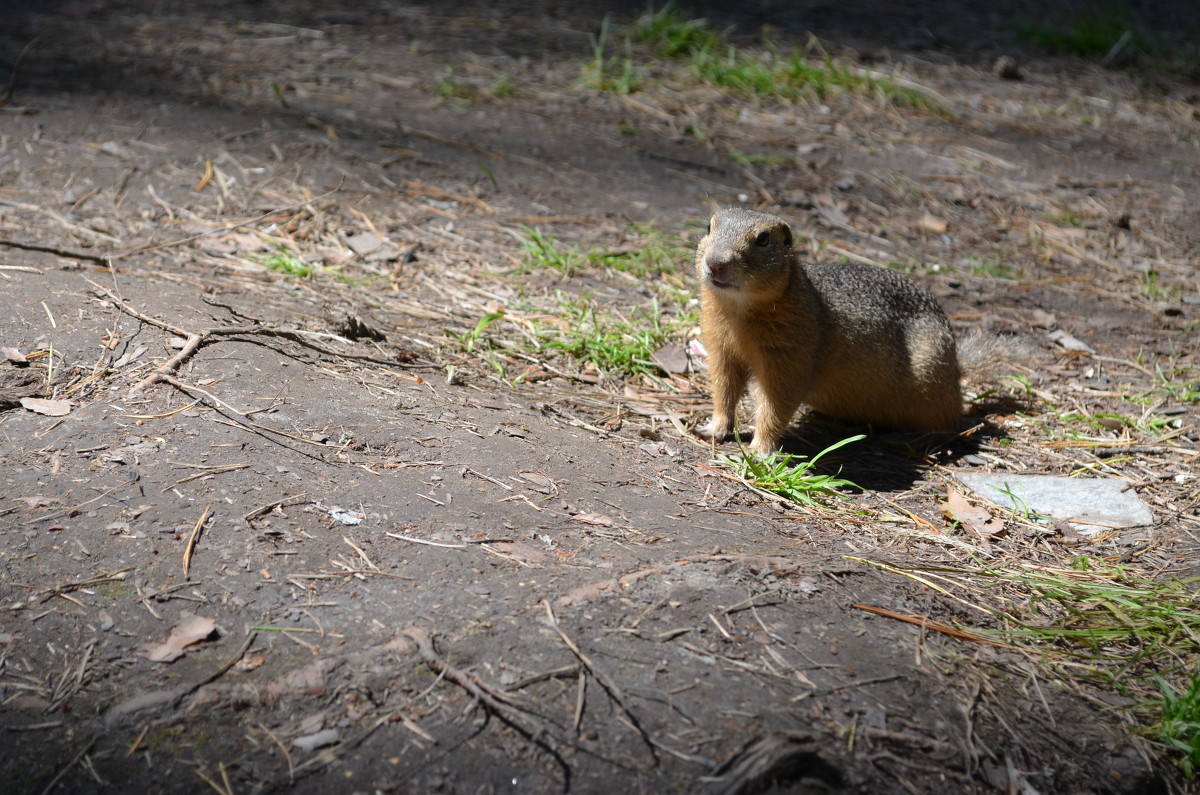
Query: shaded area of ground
{"points": [[436, 566]]}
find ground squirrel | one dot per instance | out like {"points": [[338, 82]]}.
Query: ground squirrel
{"points": [[855, 342]]}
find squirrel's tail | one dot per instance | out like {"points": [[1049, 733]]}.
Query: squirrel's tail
{"points": [[983, 356]]}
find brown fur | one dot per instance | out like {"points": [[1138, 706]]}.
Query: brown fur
{"points": [[854, 342]]}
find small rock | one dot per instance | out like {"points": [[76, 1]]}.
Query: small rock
{"points": [[320, 739], [671, 358], [1067, 342], [1007, 68], [934, 224], [1090, 504]]}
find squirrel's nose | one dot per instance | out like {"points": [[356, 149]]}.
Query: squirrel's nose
{"points": [[716, 267]]}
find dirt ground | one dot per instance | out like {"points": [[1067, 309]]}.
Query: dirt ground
{"points": [[414, 558]]}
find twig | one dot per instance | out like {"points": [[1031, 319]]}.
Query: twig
{"points": [[283, 748], [194, 339], [613, 691], [61, 252], [186, 387], [423, 541], [277, 504], [928, 623], [7, 96], [191, 544], [495, 701], [186, 690], [100, 579], [66, 768], [360, 552]]}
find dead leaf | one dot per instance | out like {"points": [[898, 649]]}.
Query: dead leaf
{"points": [[977, 521], [130, 356], [594, 518], [931, 223], [14, 355], [1067, 342], [190, 630], [313, 723], [1067, 531], [51, 408], [363, 242], [671, 358], [249, 663], [224, 245], [1040, 318], [542, 483]]}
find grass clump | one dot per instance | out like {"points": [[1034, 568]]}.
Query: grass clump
{"points": [[672, 33], [615, 344], [617, 73], [1098, 622], [1105, 615], [763, 73], [289, 264], [541, 250], [648, 255], [1178, 726], [792, 477], [652, 254], [1090, 34]]}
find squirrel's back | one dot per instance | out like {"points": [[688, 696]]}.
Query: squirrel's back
{"points": [[890, 356]]}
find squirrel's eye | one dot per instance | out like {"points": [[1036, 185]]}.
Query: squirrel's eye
{"points": [[763, 239], [709, 232]]}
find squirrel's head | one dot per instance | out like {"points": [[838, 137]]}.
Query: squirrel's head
{"points": [[745, 255]]}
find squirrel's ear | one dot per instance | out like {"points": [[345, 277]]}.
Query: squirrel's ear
{"points": [[787, 235]]}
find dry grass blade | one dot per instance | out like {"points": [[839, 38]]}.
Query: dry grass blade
{"points": [[928, 623], [191, 542]]}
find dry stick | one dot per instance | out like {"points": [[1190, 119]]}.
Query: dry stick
{"points": [[61, 252], [187, 690], [100, 579], [946, 629], [508, 709], [7, 96], [173, 697], [215, 401], [613, 691], [67, 768], [191, 544], [195, 339], [294, 500], [108, 260]]}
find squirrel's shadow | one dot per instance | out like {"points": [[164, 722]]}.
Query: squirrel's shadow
{"points": [[885, 460]]}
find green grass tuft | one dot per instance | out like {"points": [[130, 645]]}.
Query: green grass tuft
{"points": [[614, 343], [1091, 34], [791, 476], [542, 251], [1105, 615], [673, 33], [762, 73], [288, 263], [618, 73], [1178, 726]]}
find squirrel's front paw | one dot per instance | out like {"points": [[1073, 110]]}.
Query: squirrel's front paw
{"points": [[713, 431]]}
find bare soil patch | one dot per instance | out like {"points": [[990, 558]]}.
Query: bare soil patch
{"points": [[320, 301]]}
